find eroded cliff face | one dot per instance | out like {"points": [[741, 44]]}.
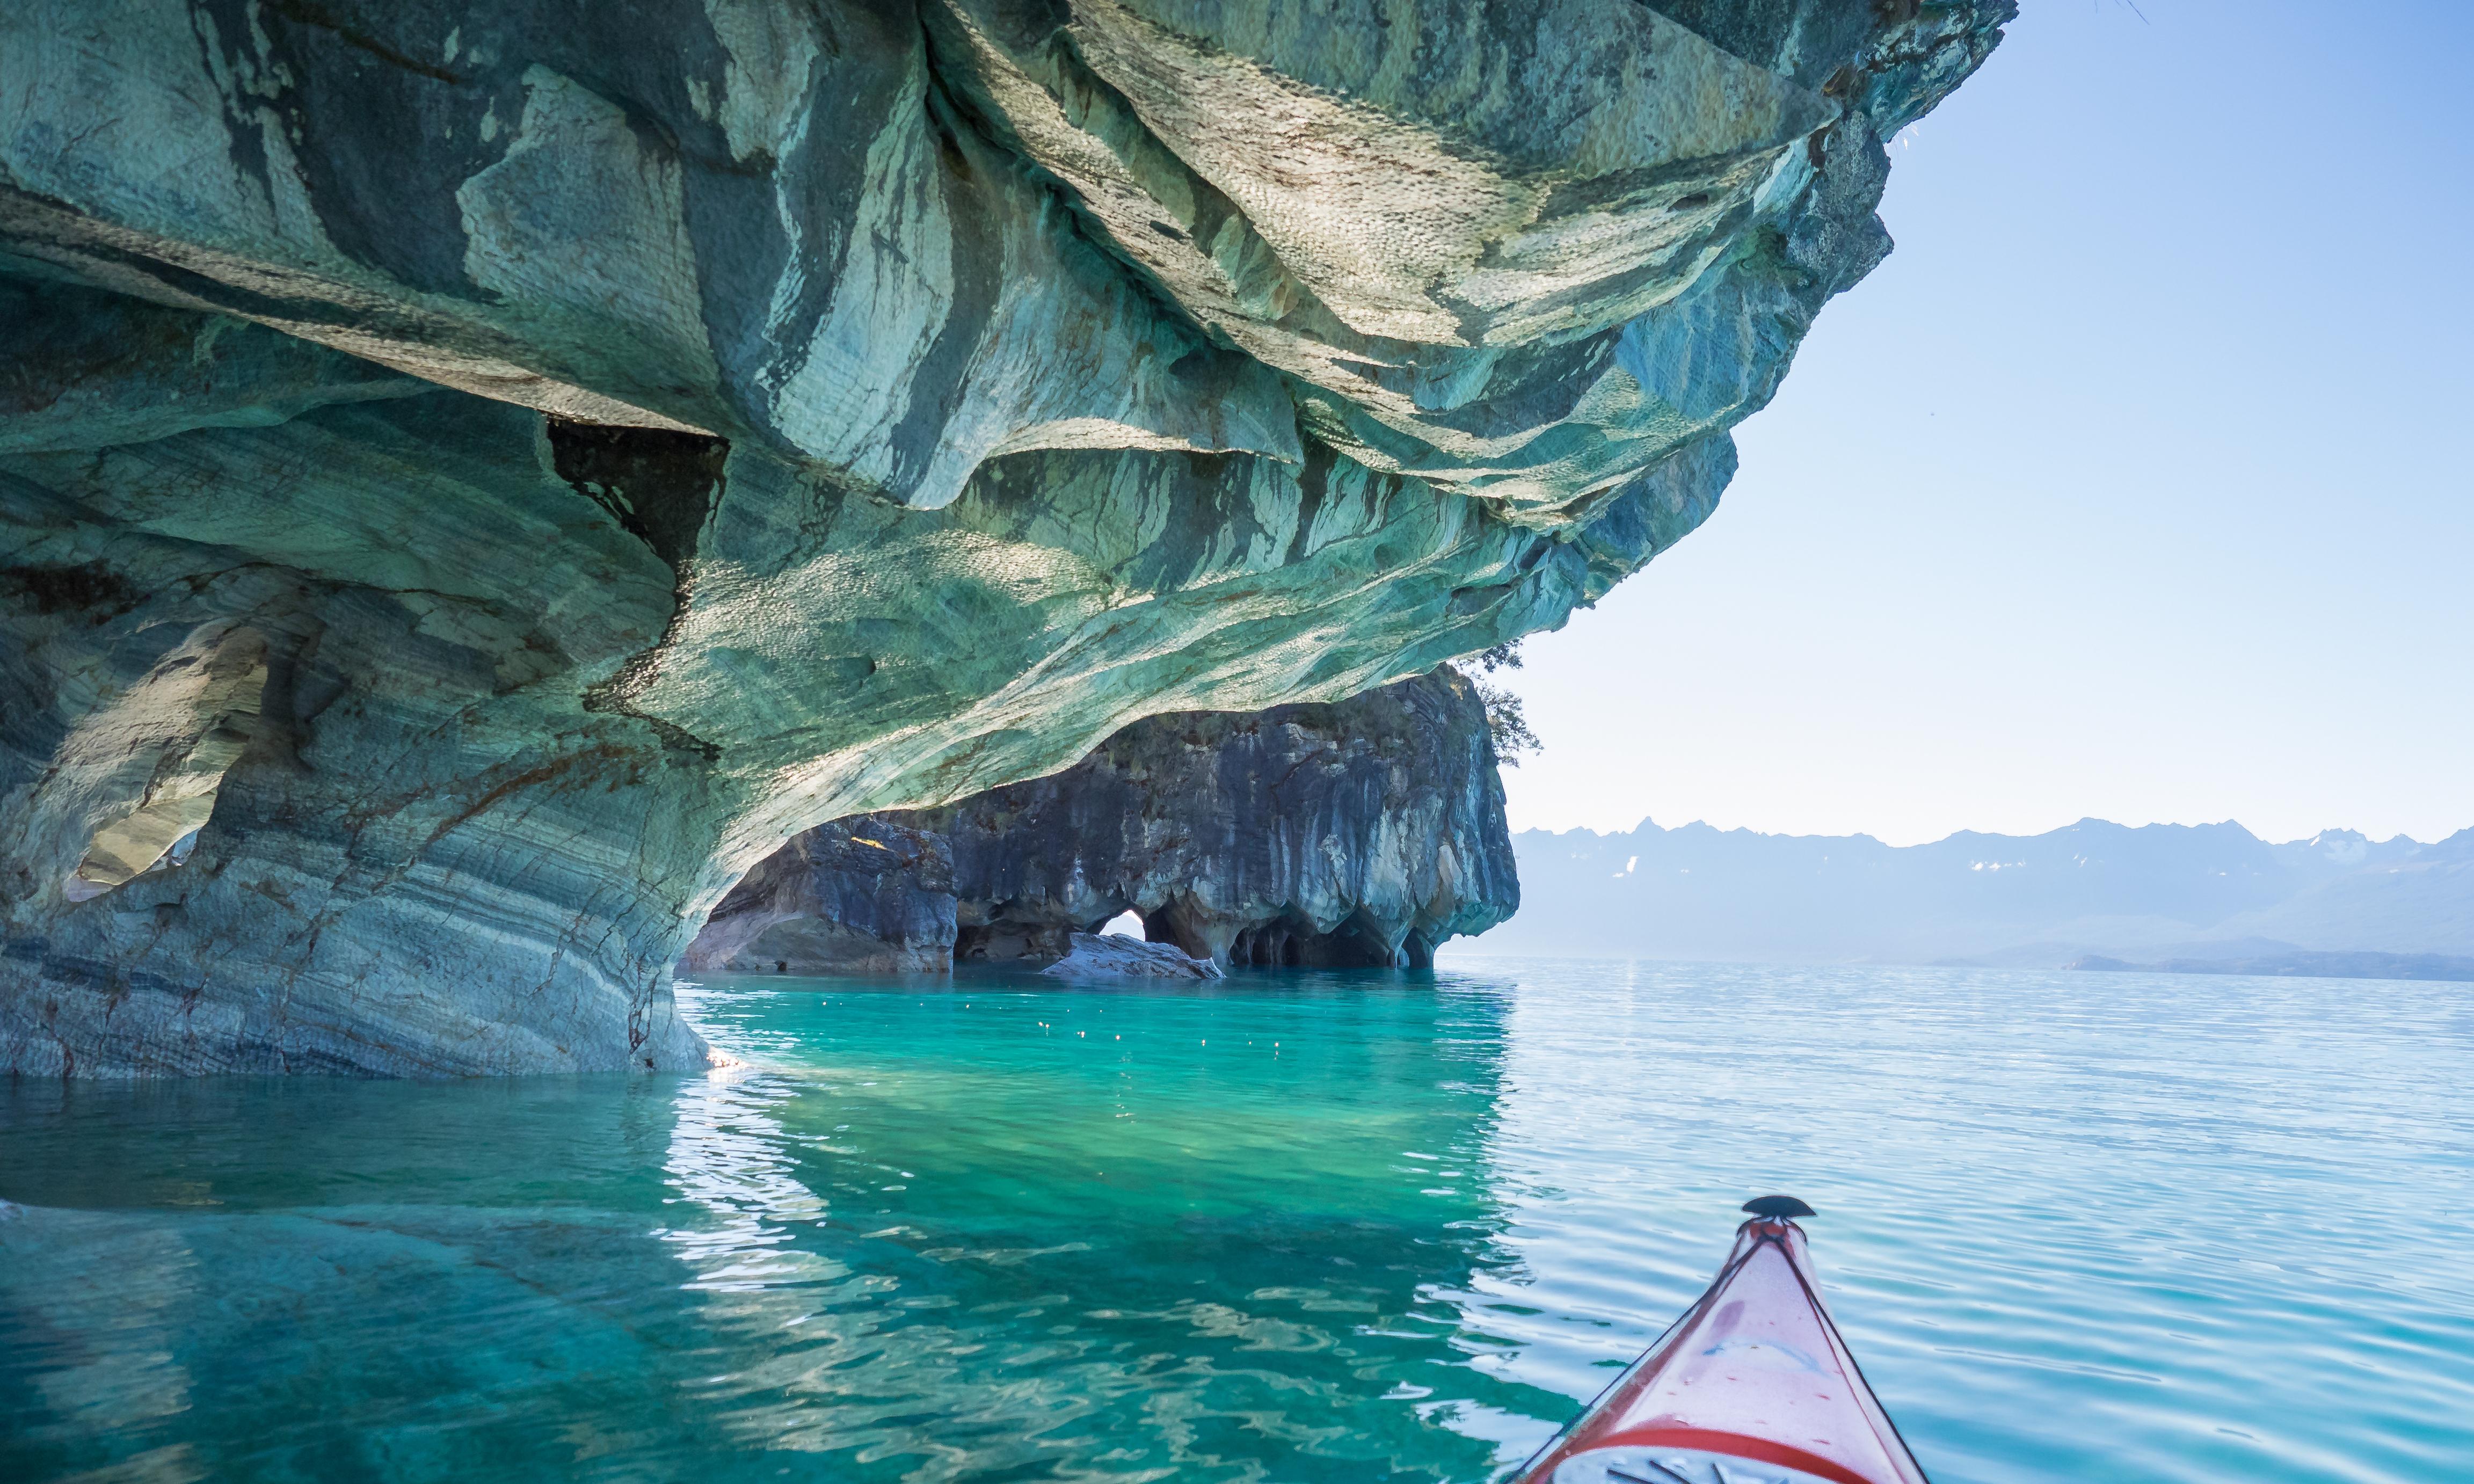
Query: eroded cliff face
{"points": [[507, 469], [1361, 832], [870, 895], [1364, 831]]}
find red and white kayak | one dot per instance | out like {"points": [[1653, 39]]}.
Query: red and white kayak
{"points": [[1753, 1385]]}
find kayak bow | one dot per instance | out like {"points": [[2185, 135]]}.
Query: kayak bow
{"points": [[1753, 1385]]}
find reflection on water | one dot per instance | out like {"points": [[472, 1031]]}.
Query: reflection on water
{"points": [[1064, 1232], [1301, 1227], [991, 1232]]}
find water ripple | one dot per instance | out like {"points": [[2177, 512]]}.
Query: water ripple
{"points": [[1295, 1226]]}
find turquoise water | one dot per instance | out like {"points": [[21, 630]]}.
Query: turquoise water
{"points": [[1303, 1227]]}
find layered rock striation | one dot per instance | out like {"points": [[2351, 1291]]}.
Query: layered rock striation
{"points": [[866, 895], [1366, 832], [478, 479], [1362, 833]]}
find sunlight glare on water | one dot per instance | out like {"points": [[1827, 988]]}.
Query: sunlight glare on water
{"points": [[1297, 1227]]}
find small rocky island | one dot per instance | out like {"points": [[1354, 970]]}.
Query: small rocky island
{"points": [[474, 482], [1364, 831]]}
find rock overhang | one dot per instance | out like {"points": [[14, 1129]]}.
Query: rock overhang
{"points": [[629, 454]]}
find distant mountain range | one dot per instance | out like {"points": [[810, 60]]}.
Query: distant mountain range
{"points": [[2139, 896], [2303, 961]]}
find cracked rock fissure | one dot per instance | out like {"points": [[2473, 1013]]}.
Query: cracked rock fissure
{"points": [[509, 469]]}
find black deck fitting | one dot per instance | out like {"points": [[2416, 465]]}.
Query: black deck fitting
{"points": [[1777, 1205]]}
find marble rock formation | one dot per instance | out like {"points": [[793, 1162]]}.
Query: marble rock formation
{"points": [[497, 471], [869, 895], [1110, 955], [1364, 831]]}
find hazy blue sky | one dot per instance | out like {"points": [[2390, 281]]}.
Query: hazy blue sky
{"points": [[2134, 485]]}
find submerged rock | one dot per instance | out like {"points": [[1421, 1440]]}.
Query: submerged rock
{"points": [[1113, 956], [507, 469]]}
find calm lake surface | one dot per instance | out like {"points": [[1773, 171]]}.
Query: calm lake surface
{"points": [[1300, 1226]]}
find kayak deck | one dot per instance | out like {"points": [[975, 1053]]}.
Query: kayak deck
{"points": [[1753, 1385]]}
